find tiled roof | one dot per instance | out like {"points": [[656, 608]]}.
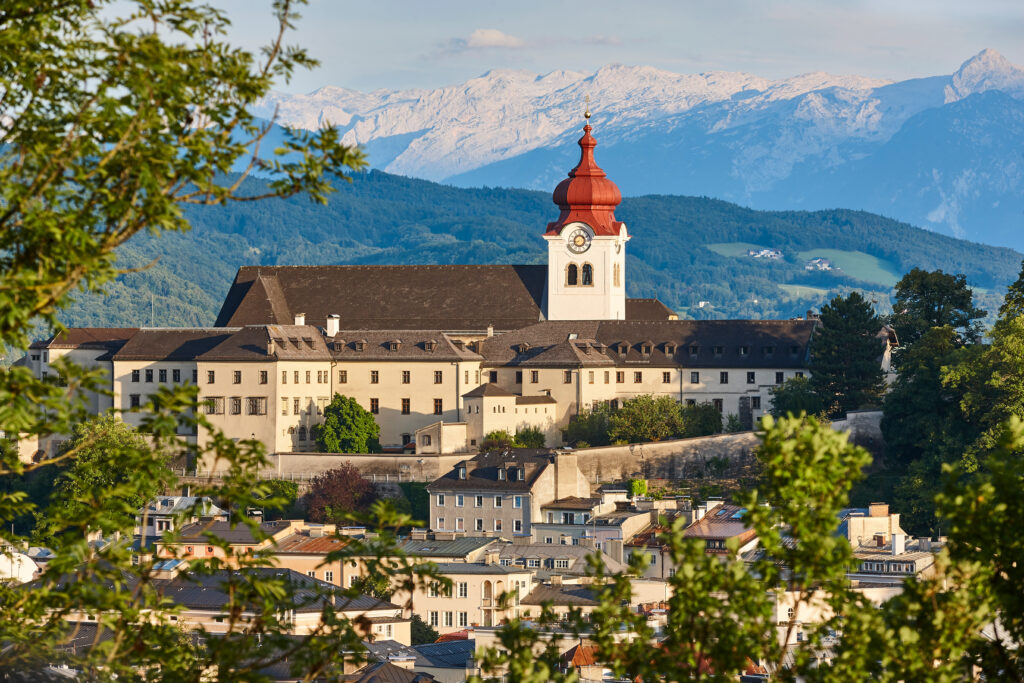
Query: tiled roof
{"points": [[648, 309], [572, 503], [580, 655], [172, 343], [457, 568], [99, 338], [459, 547], [301, 543], [724, 521], [172, 505], [424, 345], [447, 297], [488, 389], [534, 400], [239, 534], [577, 554], [561, 596], [386, 672], [482, 471], [450, 654]]}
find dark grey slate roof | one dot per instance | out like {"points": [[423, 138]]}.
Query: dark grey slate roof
{"points": [[99, 338], [452, 654], [386, 672], [476, 568], [172, 343], [488, 389], [561, 595], [459, 547], [482, 471]]}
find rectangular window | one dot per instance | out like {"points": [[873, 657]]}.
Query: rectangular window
{"points": [[779, 378], [567, 377], [406, 377], [438, 377], [133, 401], [517, 502], [620, 376], [236, 405], [175, 376], [497, 501], [284, 405], [284, 377], [460, 524], [375, 406], [460, 500], [694, 378], [607, 377], [264, 377], [440, 524], [798, 374], [479, 524], [342, 376], [195, 376], [136, 375], [466, 376], [561, 564], [449, 620], [256, 405], [517, 526], [329, 577], [438, 406], [149, 375], [478, 502], [309, 377], [519, 376], [321, 404], [162, 374], [666, 377], [433, 618], [755, 402], [717, 402], [236, 377], [463, 619], [296, 405], [638, 377], [295, 377], [534, 376], [751, 378], [492, 376], [374, 377], [497, 525], [440, 499], [723, 378], [213, 405], [405, 406]]}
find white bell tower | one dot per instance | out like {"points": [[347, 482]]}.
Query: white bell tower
{"points": [[586, 245]]}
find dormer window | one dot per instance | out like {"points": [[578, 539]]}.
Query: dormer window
{"points": [[429, 345], [794, 350], [694, 349], [393, 345], [744, 350], [360, 345], [501, 475], [768, 350], [623, 348], [646, 349], [670, 349], [523, 347], [519, 474], [462, 473], [717, 350]]}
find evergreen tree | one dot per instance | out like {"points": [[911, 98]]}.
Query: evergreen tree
{"points": [[1013, 304], [846, 352], [795, 396], [347, 428], [927, 299]]}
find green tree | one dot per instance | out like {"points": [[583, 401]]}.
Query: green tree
{"points": [[499, 438], [646, 418], [531, 437], [422, 633], [701, 419], [846, 352], [927, 299], [281, 497], [589, 427], [795, 396], [733, 423], [637, 487], [1013, 303], [347, 428]]}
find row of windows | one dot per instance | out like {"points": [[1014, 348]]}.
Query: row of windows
{"points": [[478, 501], [161, 374], [893, 567], [755, 403], [579, 276], [328, 575], [435, 619], [666, 377], [322, 376], [407, 406], [460, 525], [254, 405], [299, 405], [406, 376]]}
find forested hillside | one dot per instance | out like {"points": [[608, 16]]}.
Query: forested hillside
{"points": [[382, 218]]}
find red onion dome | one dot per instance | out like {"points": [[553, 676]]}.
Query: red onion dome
{"points": [[587, 195]]}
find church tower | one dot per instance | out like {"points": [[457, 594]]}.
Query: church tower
{"points": [[586, 245]]}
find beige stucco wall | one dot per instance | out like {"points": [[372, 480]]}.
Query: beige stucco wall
{"points": [[481, 604]]}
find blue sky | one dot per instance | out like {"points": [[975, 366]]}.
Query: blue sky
{"points": [[425, 44]]}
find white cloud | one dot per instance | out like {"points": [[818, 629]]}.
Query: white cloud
{"points": [[492, 37]]}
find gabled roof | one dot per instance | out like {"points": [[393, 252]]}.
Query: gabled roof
{"points": [[459, 547], [648, 309], [492, 390], [386, 672], [172, 343], [566, 594], [482, 471], [445, 297], [99, 338]]}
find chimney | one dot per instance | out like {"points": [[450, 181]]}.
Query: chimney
{"points": [[899, 544], [271, 347], [492, 557], [300, 318], [333, 324], [878, 510], [490, 330], [924, 544], [556, 579]]}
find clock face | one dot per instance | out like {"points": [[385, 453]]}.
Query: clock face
{"points": [[578, 241]]}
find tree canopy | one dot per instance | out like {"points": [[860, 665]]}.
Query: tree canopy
{"points": [[846, 352], [795, 396], [337, 494], [347, 428], [927, 299]]}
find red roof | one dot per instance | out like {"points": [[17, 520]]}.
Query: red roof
{"points": [[587, 195], [454, 635]]}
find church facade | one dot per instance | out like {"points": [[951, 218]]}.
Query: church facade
{"points": [[444, 354]]}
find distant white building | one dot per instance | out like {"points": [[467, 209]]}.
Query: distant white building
{"points": [[818, 264], [773, 254]]}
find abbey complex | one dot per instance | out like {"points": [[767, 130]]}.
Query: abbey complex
{"points": [[442, 355]]}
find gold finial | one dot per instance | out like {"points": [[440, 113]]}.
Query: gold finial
{"points": [[586, 114]]}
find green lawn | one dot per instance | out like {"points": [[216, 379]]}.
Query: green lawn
{"points": [[803, 291], [733, 248], [857, 264]]}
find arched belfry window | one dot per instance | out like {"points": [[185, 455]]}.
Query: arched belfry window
{"points": [[572, 275], [588, 275]]}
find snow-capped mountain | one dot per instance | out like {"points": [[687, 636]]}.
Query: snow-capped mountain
{"points": [[941, 152]]}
